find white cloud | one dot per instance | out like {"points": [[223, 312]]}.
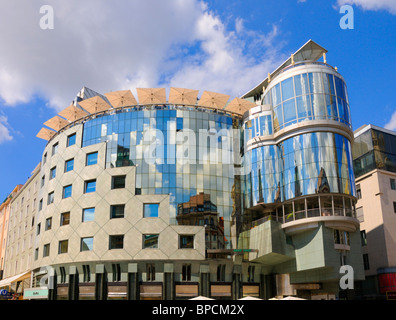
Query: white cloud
{"points": [[391, 125], [4, 130], [114, 45], [389, 5]]}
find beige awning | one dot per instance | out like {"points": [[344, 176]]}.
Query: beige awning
{"points": [[183, 96], [122, 98], [56, 123], [151, 95], [45, 134], [18, 277], [94, 104], [213, 100], [239, 106], [72, 113]]}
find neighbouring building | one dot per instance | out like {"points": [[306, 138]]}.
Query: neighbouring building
{"points": [[4, 218], [20, 236], [171, 195], [374, 159]]}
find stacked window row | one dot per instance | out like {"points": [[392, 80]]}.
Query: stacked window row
{"points": [[309, 96], [303, 165]]}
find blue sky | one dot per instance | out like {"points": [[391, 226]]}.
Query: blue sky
{"points": [[216, 45]]}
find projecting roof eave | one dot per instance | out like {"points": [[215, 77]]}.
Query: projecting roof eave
{"points": [[310, 51]]}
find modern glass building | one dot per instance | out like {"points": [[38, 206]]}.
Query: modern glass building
{"points": [[172, 196]]}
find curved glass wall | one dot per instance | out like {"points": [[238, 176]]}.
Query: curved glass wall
{"points": [[179, 151], [306, 164], [260, 125], [309, 96]]}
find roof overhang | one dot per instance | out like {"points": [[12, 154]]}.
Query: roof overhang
{"points": [[310, 51]]}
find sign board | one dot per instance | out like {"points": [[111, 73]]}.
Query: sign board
{"points": [[35, 293]]}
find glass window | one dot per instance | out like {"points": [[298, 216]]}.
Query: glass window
{"points": [[287, 89], [150, 272], [186, 241], [303, 108], [67, 192], [86, 244], [52, 173], [301, 84], [90, 186], [150, 210], [394, 206], [88, 214], [150, 241], [55, 148], [71, 140], [392, 184], [289, 110], [117, 211], [118, 182], [65, 218], [186, 272], [116, 242], [276, 95], [69, 165], [46, 250], [92, 158], [315, 82], [48, 223], [318, 106], [278, 118], [63, 246], [50, 198]]}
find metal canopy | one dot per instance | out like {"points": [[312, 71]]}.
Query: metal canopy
{"points": [[183, 96], [151, 95], [94, 104], [213, 100], [122, 98], [72, 113], [56, 123], [239, 106], [45, 134], [310, 51]]}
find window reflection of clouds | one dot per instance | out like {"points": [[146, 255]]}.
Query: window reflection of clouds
{"points": [[297, 166], [318, 96], [129, 134]]}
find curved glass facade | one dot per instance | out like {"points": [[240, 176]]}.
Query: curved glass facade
{"points": [[260, 125], [306, 164], [180, 151], [309, 96]]}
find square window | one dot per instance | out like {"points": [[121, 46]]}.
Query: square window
{"points": [[71, 140], [90, 186], [65, 218], [46, 250], [92, 158], [86, 244], [186, 242], [116, 242], [63, 246], [48, 223], [67, 192], [50, 198], [117, 211], [52, 173], [150, 241], [88, 214], [118, 182], [69, 165], [150, 210]]}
